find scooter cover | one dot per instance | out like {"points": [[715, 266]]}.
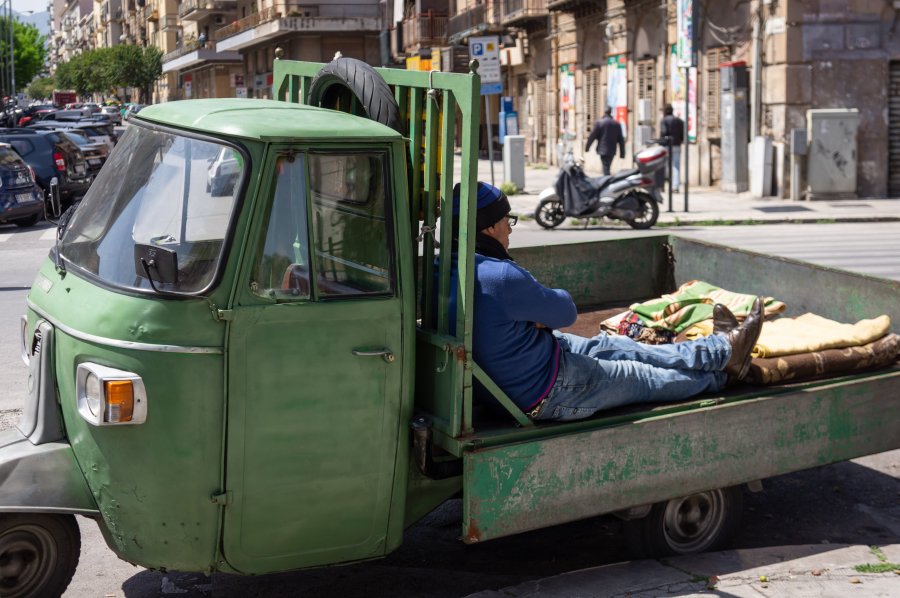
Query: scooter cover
{"points": [[580, 193]]}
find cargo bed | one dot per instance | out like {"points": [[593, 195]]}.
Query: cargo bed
{"points": [[518, 478]]}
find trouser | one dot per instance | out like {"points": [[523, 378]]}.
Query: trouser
{"points": [[676, 166], [609, 371], [607, 159]]}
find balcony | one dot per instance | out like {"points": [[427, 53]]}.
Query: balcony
{"points": [[193, 53], [194, 10], [466, 23], [169, 23], [270, 23], [576, 6], [518, 12], [424, 31]]}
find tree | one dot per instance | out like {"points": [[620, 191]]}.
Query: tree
{"points": [[137, 66], [29, 51], [104, 69], [41, 88]]}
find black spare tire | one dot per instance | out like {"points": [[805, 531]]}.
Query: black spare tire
{"points": [[342, 80]]}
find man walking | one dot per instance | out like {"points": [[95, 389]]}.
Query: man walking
{"points": [[608, 134], [671, 133]]}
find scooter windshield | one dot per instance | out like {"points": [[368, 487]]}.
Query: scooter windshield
{"points": [[159, 192]]}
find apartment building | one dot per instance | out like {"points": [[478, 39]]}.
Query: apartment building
{"points": [[563, 61]]}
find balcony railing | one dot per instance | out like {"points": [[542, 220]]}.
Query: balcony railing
{"points": [[465, 21], [186, 48], [572, 5], [258, 18], [520, 10], [206, 6], [426, 29], [167, 22]]}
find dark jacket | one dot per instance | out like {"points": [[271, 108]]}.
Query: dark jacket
{"points": [[608, 134], [672, 127]]}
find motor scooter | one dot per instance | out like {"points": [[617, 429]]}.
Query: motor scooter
{"points": [[630, 195]]}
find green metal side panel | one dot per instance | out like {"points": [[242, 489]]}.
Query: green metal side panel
{"points": [[602, 272], [530, 485], [837, 294]]}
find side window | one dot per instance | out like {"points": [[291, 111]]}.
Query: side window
{"points": [[23, 147], [282, 270], [351, 235]]}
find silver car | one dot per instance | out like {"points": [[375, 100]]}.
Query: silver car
{"points": [[113, 113]]}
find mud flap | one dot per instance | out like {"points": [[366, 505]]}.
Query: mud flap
{"points": [[41, 478]]}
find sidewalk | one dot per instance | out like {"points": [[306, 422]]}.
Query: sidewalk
{"points": [[813, 570], [709, 205]]}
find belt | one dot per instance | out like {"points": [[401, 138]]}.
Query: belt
{"points": [[533, 414]]}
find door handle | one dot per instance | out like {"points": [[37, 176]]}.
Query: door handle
{"points": [[384, 353]]}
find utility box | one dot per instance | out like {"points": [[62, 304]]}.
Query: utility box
{"points": [[761, 167], [735, 132], [514, 160], [831, 156]]}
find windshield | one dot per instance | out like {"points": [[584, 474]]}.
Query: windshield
{"points": [[157, 195]]}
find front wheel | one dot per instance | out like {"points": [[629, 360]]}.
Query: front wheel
{"points": [[550, 213], [689, 525], [648, 212], [38, 554]]}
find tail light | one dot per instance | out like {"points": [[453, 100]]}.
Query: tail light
{"points": [[60, 162], [646, 181], [33, 176]]}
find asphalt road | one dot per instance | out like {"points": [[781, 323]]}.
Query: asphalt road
{"points": [[856, 502]]}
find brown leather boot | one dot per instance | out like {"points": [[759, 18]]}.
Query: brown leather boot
{"points": [[742, 340], [723, 320]]}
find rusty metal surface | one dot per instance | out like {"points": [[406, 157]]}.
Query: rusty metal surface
{"points": [[528, 485]]}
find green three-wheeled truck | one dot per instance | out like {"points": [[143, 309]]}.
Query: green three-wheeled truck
{"points": [[239, 359]]}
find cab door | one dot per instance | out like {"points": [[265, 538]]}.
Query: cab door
{"points": [[315, 357]]}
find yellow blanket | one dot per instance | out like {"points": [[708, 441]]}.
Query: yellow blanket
{"points": [[807, 333]]}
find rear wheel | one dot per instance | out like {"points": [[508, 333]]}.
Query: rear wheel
{"points": [[649, 211], [550, 213], [689, 525], [351, 85], [38, 554]]}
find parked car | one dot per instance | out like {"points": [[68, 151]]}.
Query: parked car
{"points": [[76, 114], [96, 131], [51, 154], [95, 152], [223, 172], [131, 109], [35, 112], [113, 113], [21, 199]]}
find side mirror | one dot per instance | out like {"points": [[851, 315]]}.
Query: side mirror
{"points": [[55, 203]]}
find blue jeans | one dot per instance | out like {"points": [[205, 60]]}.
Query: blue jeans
{"points": [[609, 371], [676, 165]]}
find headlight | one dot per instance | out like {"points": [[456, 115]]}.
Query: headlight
{"points": [[107, 396]]}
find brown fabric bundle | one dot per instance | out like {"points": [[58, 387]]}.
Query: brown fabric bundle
{"points": [[830, 362]]}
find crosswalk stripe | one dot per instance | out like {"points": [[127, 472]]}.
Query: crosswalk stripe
{"points": [[49, 234], [4, 238]]}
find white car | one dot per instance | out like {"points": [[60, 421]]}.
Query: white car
{"points": [[113, 113], [223, 172]]}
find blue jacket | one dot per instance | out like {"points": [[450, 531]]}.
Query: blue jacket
{"points": [[521, 358]]}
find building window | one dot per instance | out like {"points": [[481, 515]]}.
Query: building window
{"points": [[592, 95], [646, 77], [714, 58]]}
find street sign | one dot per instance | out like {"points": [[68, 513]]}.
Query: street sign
{"points": [[486, 50]]}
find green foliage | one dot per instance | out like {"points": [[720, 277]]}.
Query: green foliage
{"points": [[29, 51], [41, 88], [877, 568], [104, 69], [509, 188]]}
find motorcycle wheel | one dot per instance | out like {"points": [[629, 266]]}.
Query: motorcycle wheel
{"points": [[550, 213], [649, 211]]}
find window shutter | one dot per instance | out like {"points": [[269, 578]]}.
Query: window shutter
{"points": [[714, 57]]}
